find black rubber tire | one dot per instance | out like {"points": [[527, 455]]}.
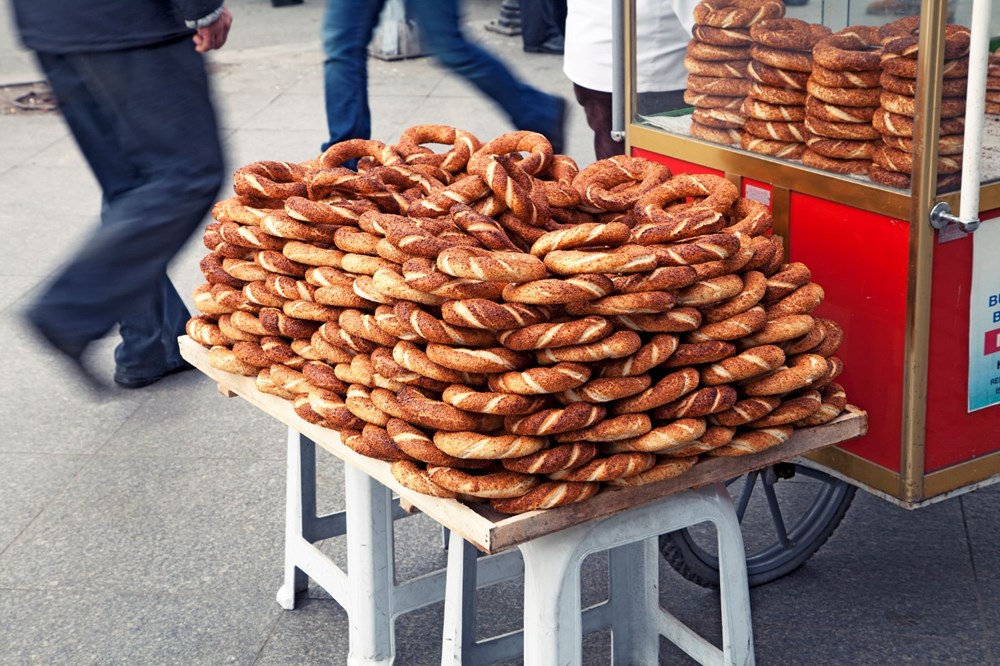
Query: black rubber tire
{"points": [[810, 530]]}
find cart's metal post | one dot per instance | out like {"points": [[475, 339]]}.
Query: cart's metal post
{"points": [[618, 70]]}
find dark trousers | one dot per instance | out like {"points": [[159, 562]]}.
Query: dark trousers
{"points": [[542, 20], [144, 121], [597, 107]]}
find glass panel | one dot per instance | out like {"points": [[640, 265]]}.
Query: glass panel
{"points": [[764, 90]]}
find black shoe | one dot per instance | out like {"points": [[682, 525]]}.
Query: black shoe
{"points": [[553, 45], [129, 383], [73, 353]]}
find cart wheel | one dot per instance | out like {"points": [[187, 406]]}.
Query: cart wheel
{"points": [[783, 524]]}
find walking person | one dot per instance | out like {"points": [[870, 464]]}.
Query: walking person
{"points": [[131, 84], [348, 26], [543, 25]]}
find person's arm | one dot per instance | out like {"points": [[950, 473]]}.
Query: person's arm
{"points": [[210, 19]]}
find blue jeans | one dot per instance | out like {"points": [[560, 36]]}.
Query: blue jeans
{"points": [[144, 120], [348, 26]]}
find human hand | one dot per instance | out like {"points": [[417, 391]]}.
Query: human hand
{"points": [[213, 36]]}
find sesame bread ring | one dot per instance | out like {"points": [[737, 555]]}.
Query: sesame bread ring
{"points": [[270, 180], [243, 271], [776, 95], [487, 485], [339, 337], [487, 447], [791, 409], [834, 401], [537, 160], [434, 414], [721, 69], [490, 266], [801, 372], [616, 345], [952, 144], [373, 441], [322, 375], [726, 137], [463, 145], [719, 118], [773, 76], [712, 85], [643, 302], [232, 332], [758, 110], [896, 160], [312, 255], [788, 279], [624, 259], [416, 242], [276, 322], [331, 211], [908, 87], [248, 237], [614, 184], [713, 290], [645, 358], [754, 287], [711, 247], [276, 262], [484, 314], [702, 101], [318, 276], [784, 149], [591, 234], [669, 437], [776, 131], [696, 353], [788, 33], [426, 278], [736, 13], [315, 348], [547, 495], [606, 389], [553, 421], [716, 193], [778, 330], [465, 190], [341, 297], [432, 329], [251, 353], [364, 325], [557, 334], [834, 113], [714, 437], [416, 444], [665, 468], [539, 381], [340, 152], [904, 105], [746, 410], [763, 252], [737, 326], [206, 332], [414, 359], [484, 229], [290, 380], [246, 322], [753, 441], [903, 40], [845, 96], [353, 240], [311, 311], [553, 459], [385, 365], [834, 78], [478, 360], [223, 358], [668, 389], [704, 401], [907, 67], [615, 466], [614, 429], [854, 49], [278, 223], [359, 402], [663, 278], [678, 320], [392, 287], [841, 149], [387, 320], [750, 363], [796, 61], [803, 300], [833, 335], [559, 291], [485, 402], [715, 53], [722, 36], [414, 476]]}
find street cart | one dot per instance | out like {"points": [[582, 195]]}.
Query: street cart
{"points": [[907, 258]]}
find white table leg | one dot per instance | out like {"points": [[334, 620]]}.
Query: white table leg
{"points": [[295, 579]]}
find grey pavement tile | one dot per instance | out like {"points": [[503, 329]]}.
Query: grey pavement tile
{"points": [[12, 291], [24, 136], [234, 109], [314, 633], [253, 145], [28, 482], [291, 112], [63, 626], [981, 509], [157, 526]]}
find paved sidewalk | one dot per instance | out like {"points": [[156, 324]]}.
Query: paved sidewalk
{"points": [[147, 528]]}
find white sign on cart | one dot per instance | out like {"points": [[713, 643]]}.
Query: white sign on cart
{"points": [[984, 317]]}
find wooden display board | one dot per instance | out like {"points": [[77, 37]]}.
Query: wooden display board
{"points": [[491, 531]]}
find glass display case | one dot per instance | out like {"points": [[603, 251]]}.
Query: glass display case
{"points": [[848, 119]]}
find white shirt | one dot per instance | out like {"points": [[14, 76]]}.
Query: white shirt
{"points": [[663, 27]]}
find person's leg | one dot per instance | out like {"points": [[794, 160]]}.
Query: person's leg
{"points": [[528, 108], [597, 107], [347, 29], [158, 159]]}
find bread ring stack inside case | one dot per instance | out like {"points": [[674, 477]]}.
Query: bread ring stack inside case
{"points": [[893, 158], [843, 96], [503, 327], [717, 60], [781, 60]]}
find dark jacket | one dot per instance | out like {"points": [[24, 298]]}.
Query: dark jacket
{"points": [[75, 26]]}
